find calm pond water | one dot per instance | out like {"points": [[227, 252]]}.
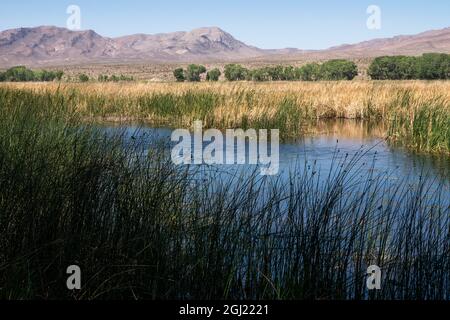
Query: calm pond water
{"points": [[330, 149], [331, 143]]}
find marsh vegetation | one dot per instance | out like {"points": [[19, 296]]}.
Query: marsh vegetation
{"points": [[416, 113], [142, 228]]}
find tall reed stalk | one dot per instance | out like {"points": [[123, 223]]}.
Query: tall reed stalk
{"points": [[141, 228], [416, 113]]}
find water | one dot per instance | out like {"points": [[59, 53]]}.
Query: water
{"points": [[329, 144]]}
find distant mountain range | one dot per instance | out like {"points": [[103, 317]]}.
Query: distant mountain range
{"points": [[48, 45]]}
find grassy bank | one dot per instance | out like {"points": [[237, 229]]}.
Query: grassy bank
{"points": [[141, 228], [416, 113]]}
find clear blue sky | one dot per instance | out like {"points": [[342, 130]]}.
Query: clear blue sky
{"points": [[267, 24]]}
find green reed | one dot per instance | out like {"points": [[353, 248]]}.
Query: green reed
{"points": [[141, 228]]}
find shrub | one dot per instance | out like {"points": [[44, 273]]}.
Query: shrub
{"points": [[59, 74], [213, 75], [103, 78], [83, 77], [114, 78], [18, 74], [125, 78], [235, 72], [179, 75], [194, 71]]}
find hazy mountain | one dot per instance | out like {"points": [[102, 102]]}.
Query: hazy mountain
{"points": [[430, 41], [52, 45]]}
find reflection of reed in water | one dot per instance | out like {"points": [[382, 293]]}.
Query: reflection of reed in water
{"points": [[347, 129]]}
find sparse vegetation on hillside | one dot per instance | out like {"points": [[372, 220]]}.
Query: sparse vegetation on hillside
{"points": [[114, 78]]}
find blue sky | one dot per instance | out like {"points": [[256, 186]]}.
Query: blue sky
{"points": [[267, 24]]}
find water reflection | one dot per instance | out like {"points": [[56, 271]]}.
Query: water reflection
{"points": [[325, 143]]}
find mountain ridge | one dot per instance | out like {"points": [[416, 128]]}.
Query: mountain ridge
{"points": [[49, 45]]}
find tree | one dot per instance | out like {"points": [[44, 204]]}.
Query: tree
{"points": [[433, 66], [194, 72], [381, 68], [102, 78], [179, 75], [338, 70], [20, 73], [260, 75], [2, 77], [83, 77], [44, 75], [288, 73], [213, 75], [59, 75], [309, 72], [394, 68], [235, 72], [275, 73]]}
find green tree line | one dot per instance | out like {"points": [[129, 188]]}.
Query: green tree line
{"points": [[430, 66], [194, 73], [22, 74], [330, 70]]}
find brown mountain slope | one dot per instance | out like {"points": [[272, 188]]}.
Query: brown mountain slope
{"points": [[55, 46], [52, 45], [430, 41]]}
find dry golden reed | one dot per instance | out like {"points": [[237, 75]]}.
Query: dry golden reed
{"points": [[418, 112]]}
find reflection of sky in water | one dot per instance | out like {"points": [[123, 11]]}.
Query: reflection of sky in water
{"points": [[324, 150], [322, 154]]}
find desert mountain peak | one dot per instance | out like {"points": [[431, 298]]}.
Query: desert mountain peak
{"points": [[49, 45]]}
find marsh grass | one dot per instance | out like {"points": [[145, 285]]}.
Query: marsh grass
{"points": [[416, 113], [141, 228]]}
